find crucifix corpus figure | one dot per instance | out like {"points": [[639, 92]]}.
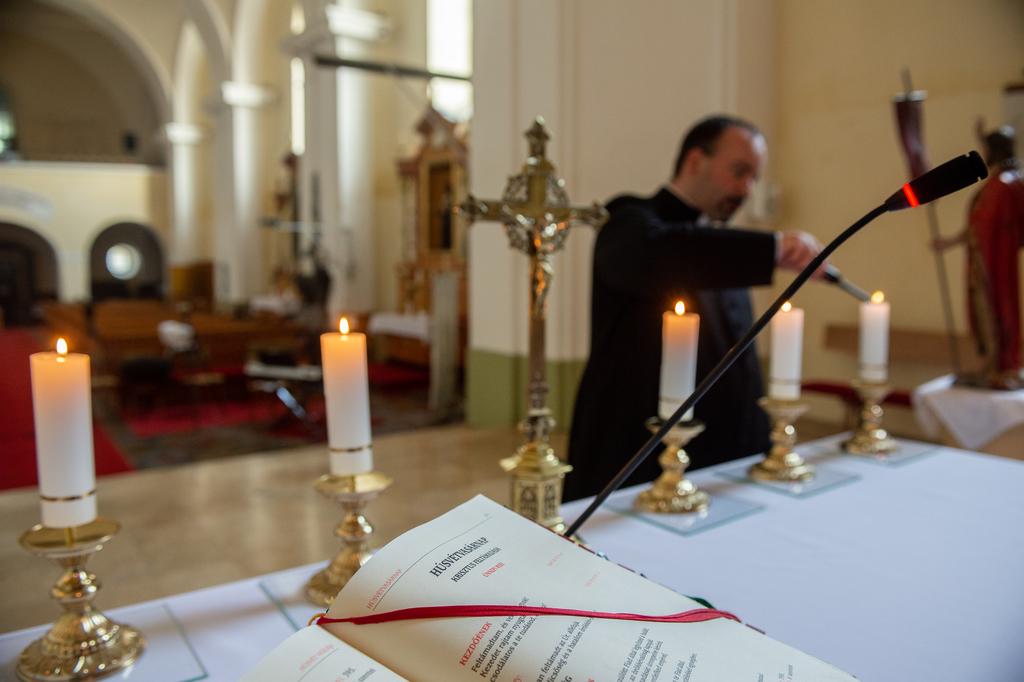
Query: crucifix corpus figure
{"points": [[536, 215]]}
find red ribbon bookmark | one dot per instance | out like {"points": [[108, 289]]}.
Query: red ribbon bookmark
{"points": [[498, 611]]}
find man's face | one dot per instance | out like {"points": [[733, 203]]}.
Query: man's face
{"points": [[719, 183]]}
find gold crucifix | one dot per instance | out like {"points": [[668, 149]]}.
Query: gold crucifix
{"points": [[536, 214]]}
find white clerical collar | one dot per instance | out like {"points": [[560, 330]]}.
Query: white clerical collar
{"points": [[702, 220]]}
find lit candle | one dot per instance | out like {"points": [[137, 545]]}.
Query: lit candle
{"points": [[62, 409], [874, 339], [787, 352], [678, 360], [347, 396]]}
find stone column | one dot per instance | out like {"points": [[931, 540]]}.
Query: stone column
{"points": [[336, 183], [183, 139], [242, 251]]}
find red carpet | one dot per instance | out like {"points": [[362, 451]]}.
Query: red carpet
{"points": [[390, 374], [180, 418], [17, 437], [183, 418]]}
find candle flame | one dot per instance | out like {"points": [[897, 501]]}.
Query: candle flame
{"points": [[62, 346], [877, 297], [680, 308], [343, 326], [786, 307]]}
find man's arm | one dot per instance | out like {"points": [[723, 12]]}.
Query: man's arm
{"points": [[638, 252]]}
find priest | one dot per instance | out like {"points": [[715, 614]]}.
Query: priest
{"points": [[651, 253]]}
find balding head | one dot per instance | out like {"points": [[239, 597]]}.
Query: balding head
{"points": [[720, 160]]}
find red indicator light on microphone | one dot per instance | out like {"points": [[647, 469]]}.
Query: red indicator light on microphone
{"points": [[910, 195]]}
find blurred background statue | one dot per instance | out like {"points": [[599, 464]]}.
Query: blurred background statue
{"points": [[993, 236]]}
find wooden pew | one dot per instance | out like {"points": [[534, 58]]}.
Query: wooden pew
{"points": [[120, 330]]}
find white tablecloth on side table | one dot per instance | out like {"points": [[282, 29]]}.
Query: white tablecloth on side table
{"points": [[413, 326], [973, 416]]}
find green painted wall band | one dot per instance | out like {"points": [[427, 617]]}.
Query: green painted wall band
{"points": [[496, 388]]}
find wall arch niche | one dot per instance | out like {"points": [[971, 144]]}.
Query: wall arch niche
{"points": [[80, 89], [28, 273], [126, 261]]}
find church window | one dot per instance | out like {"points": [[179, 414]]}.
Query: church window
{"points": [[7, 130], [123, 261], [450, 50], [298, 90], [298, 106], [298, 19]]}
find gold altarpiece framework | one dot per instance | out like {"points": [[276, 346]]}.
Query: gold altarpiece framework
{"points": [[434, 238]]}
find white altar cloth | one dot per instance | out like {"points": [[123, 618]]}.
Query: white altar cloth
{"points": [[909, 572], [222, 631], [974, 416]]}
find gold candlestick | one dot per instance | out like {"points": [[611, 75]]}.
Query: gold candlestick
{"points": [[351, 493], [83, 644], [537, 478], [870, 438], [673, 493], [781, 463]]}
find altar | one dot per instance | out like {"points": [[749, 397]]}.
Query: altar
{"points": [[900, 571]]}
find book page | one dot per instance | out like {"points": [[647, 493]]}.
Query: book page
{"points": [[481, 553], [315, 655]]}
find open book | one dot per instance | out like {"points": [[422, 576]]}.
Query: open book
{"points": [[483, 554]]}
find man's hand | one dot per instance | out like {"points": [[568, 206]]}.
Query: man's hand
{"points": [[797, 250]]}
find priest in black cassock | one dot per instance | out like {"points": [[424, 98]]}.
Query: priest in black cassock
{"points": [[651, 253]]}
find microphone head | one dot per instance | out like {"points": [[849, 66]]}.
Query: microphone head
{"points": [[938, 182]]}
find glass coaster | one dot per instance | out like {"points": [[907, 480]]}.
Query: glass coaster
{"points": [[824, 479], [287, 591], [168, 657], [909, 449], [720, 511]]}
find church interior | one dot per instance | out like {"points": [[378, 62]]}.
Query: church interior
{"points": [[193, 191]]}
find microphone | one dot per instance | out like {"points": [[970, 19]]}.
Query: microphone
{"points": [[833, 275], [938, 182]]}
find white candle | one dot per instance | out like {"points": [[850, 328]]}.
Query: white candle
{"points": [[787, 353], [678, 360], [62, 410], [347, 397], [874, 339]]}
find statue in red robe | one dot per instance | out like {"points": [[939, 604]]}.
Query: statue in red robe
{"points": [[994, 234]]}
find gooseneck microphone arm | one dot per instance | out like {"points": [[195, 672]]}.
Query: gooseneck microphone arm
{"points": [[942, 180]]}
